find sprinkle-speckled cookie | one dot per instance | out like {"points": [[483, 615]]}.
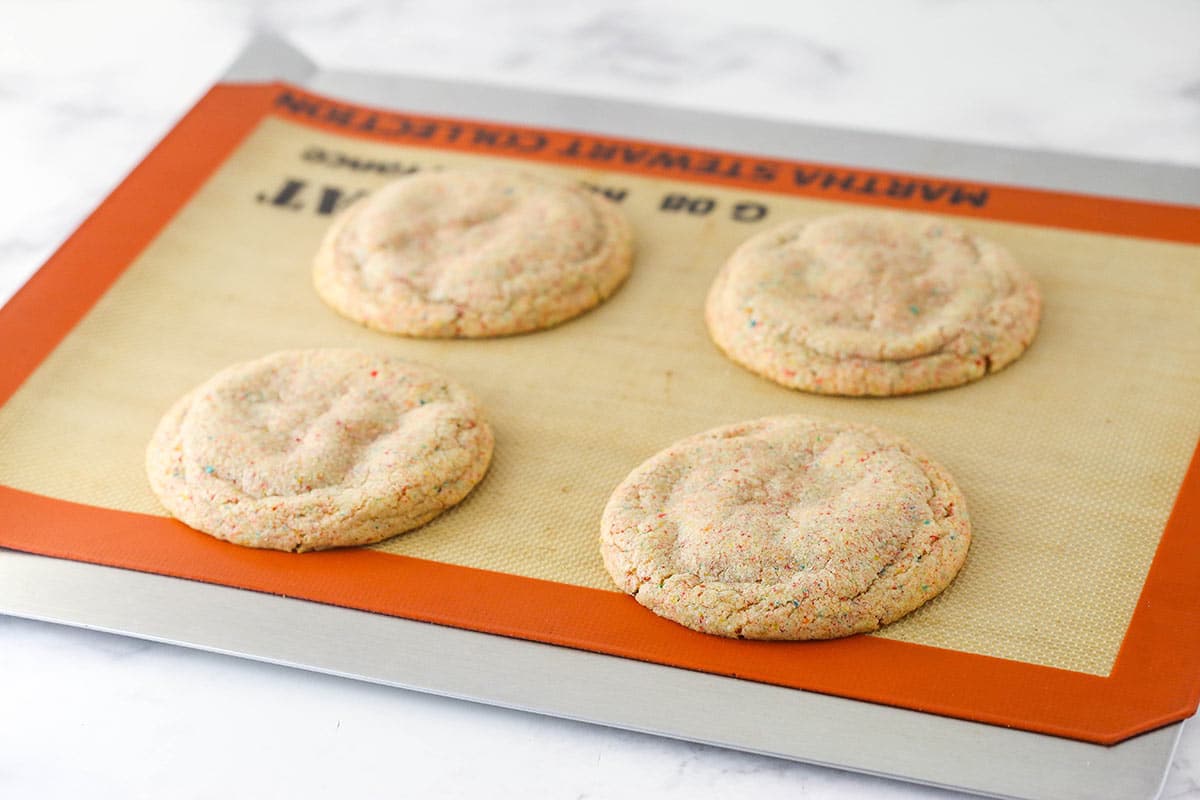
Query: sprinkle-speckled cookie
{"points": [[473, 253], [872, 304], [786, 528], [311, 449]]}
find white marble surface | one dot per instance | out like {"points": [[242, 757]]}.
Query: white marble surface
{"points": [[87, 88]]}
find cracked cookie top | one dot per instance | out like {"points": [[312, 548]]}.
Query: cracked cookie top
{"points": [[872, 304], [473, 253], [786, 528], [311, 449]]}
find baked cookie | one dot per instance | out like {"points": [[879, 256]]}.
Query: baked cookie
{"points": [[872, 304], [786, 528], [311, 449], [473, 253]]}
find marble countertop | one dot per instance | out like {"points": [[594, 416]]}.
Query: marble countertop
{"points": [[86, 89]]}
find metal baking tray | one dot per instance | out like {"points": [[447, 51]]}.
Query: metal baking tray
{"points": [[737, 714]]}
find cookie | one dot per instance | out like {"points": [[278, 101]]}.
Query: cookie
{"points": [[312, 449], [786, 528], [872, 304], [473, 253]]}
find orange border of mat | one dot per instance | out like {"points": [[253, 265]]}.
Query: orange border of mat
{"points": [[1156, 677]]}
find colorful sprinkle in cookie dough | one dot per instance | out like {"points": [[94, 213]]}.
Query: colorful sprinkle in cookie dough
{"points": [[786, 528], [312, 449], [473, 253], [872, 304]]}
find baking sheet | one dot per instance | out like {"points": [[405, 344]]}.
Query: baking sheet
{"points": [[995, 378]]}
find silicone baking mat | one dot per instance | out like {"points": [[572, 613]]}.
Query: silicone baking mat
{"points": [[1071, 459]]}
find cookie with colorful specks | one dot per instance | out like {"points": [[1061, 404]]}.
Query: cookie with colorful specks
{"points": [[312, 449], [786, 528], [872, 304], [473, 253]]}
